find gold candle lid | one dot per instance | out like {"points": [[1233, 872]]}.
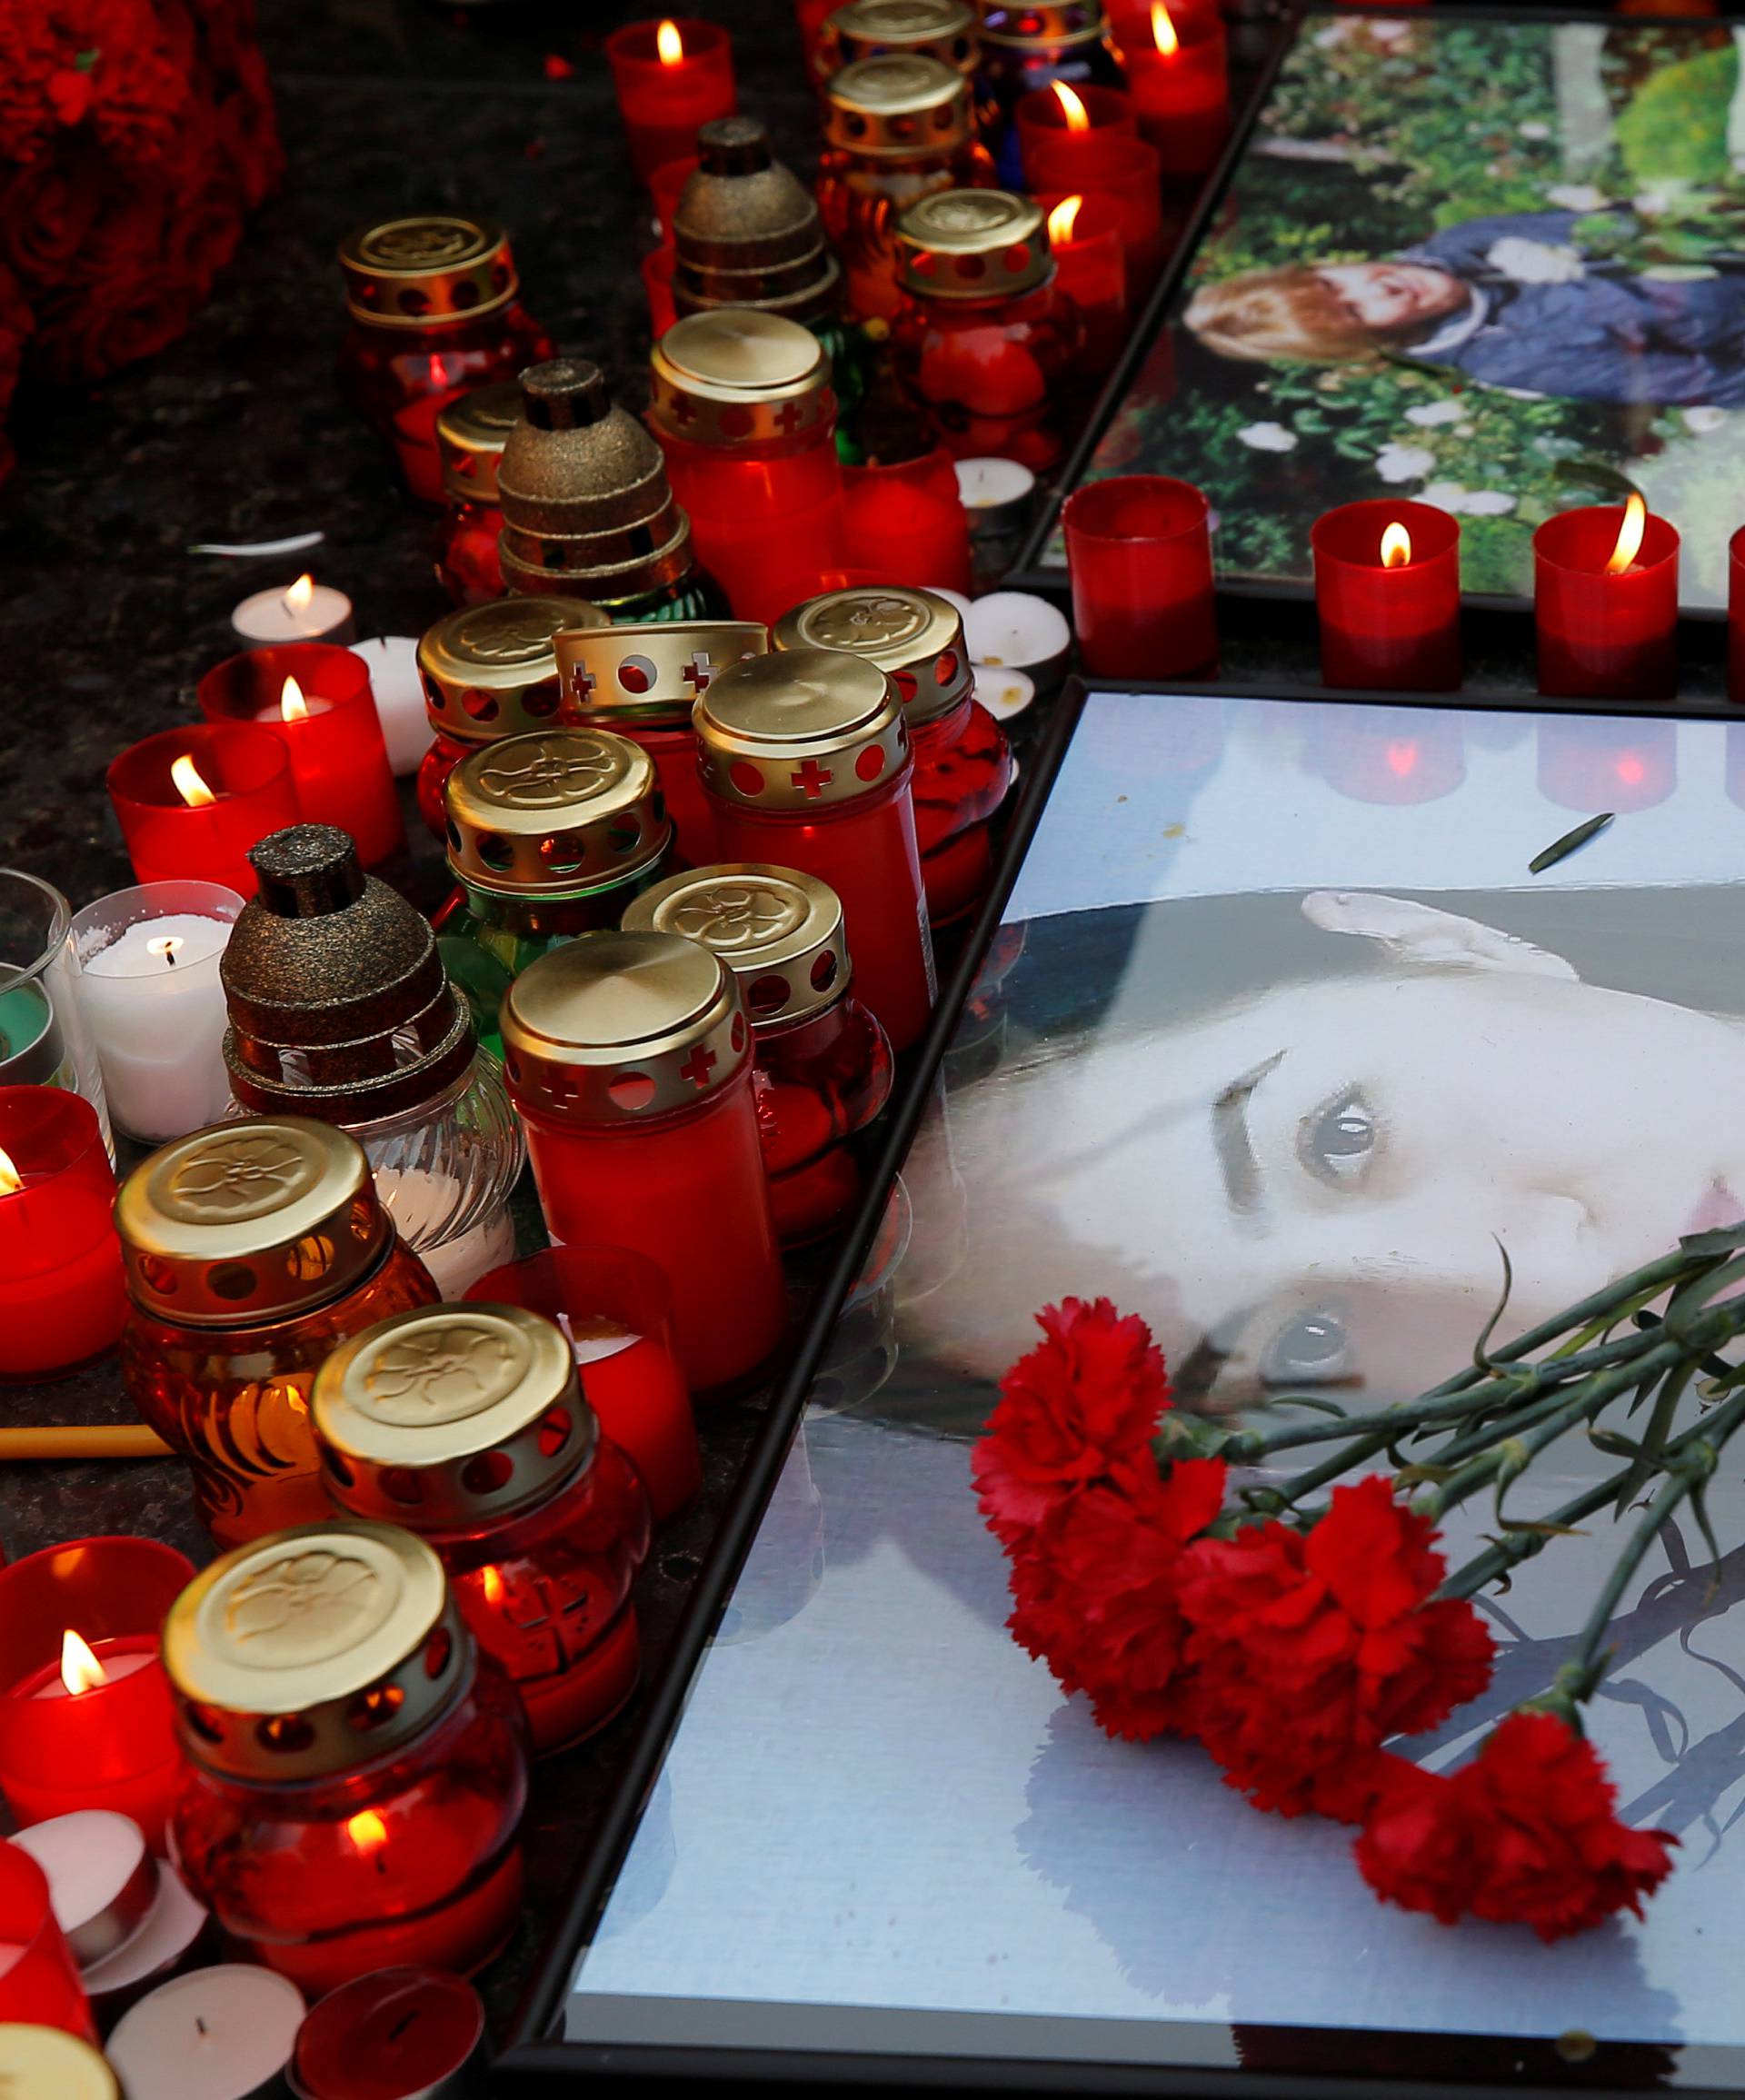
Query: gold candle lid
{"points": [[428, 271], [941, 29], [314, 1650], [47, 2064], [899, 108], [490, 671], [801, 730], [778, 931], [650, 674], [972, 244], [621, 1028], [249, 1221], [1041, 24], [915, 636], [735, 376], [552, 814], [747, 231], [471, 433], [450, 1416]]}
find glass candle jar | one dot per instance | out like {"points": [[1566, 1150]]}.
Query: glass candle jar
{"points": [[489, 672], [642, 683], [806, 760], [629, 1058], [549, 836], [252, 1251], [745, 417], [1026, 44], [356, 1769], [963, 760], [823, 1065], [61, 1295], [942, 29], [896, 129], [471, 433], [46, 1040], [466, 1425], [986, 338], [434, 313]]}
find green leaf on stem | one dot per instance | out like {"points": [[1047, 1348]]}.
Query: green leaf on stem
{"points": [[1570, 843]]}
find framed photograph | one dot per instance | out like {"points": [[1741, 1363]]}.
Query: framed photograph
{"points": [[865, 1835], [1488, 260]]}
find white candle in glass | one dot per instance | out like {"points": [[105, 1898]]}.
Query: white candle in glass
{"points": [[399, 701], [304, 612], [216, 2033], [150, 991]]}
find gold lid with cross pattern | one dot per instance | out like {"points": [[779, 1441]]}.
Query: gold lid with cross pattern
{"points": [[736, 375], [555, 814], [916, 636], [779, 932], [652, 674], [426, 271], [942, 29], [974, 244], [491, 670], [803, 729], [904, 105]]}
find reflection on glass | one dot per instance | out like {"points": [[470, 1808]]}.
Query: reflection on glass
{"points": [[1389, 755], [1590, 763]]}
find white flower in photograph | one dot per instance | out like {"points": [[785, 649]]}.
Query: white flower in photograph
{"points": [[1535, 262], [1429, 414], [1389, 32], [1534, 130], [1403, 462], [1467, 503], [1268, 437], [1702, 420], [1661, 196], [1575, 196]]}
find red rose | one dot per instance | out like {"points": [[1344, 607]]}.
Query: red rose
{"points": [[87, 331], [46, 213]]}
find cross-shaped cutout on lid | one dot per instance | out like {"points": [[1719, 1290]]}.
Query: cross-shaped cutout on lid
{"points": [[699, 670], [698, 1066], [813, 779]]}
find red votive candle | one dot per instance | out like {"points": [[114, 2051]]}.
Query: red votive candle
{"points": [[1139, 554], [665, 187], [1389, 756], [1084, 237], [1607, 631], [1736, 617], [908, 519], [1179, 75], [39, 1981], [192, 802], [317, 700], [1589, 764], [670, 76], [1127, 172], [109, 1744], [410, 2033], [1075, 121], [1388, 592], [61, 1296]]}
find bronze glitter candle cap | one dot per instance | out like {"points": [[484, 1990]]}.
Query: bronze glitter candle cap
{"points": [[735, 377], [490, 671], [747, 232], [903, 107], [972, 244], [555, 814], [314, 1650], [451, 1416], [942, 29], [778, 931], [649, 675], [253, 1220], [427, 270], [471, 433], [804, 729], [339, 1004], [615, 1029], [1040, 26], [915, 636]]}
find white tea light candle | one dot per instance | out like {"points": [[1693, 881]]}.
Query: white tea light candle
{"points": [[305, 610], [216, 2033], [392, 661]]}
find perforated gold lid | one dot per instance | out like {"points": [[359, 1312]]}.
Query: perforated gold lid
{"points": [[901, 106], [1041, 24], [312, 1650], [248, 1221], [915, 636], [450, 1415], [620, 1028], [650, 674], [737, 376], [972, 244], [426, 271], [942, 29], [801, 730], [471, 433], [778, 931], [562, 810], [491, 670], [47, 2064]]}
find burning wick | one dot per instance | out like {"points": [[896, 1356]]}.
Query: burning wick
{"points": [[192, 789], [669, 43], [11, 1180], [367, 1831], [1630, 535], [1163, 31], [165, 946], [1061, 220], [80, 1669], [1396, 547], [1077, 118], [293, 706], [493, 1585], [296, 599]]}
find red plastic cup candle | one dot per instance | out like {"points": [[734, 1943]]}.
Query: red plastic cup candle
{"points": [[1084, 237], [39, 1980], [410, 2033], [1388, 591], [61, 1295], [908, 519], [670, 76], [1128, 174], [1606, 600], [317, 700], [1178, 76], [193, 801], [84, 1714], [665, 187], [1075, 122], [1139, 554]]}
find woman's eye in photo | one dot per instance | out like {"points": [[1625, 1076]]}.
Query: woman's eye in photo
{"points": [[1337, 1142], [1312, 1349]]}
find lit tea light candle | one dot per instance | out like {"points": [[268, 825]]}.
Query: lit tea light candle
{"points": [[192, 802], [1388, 592], [218, 2034], [1606, 602], [670, 76], [61, 1295], [1091, 264], [304, 611], [1075, 123], [1180, 81]]}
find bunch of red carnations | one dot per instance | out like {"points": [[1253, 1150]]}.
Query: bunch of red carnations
{"points": [[1294, 1644], [135, 137]]}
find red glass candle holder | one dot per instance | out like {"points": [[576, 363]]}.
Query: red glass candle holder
{"points": [[1736, 617], [1076, 122], [665, 187], [670, 76], [1589, 764], [1600, 635], [110, 1746], [399, 2035], [1178, 73], [1139, 554], [61, 1295], [908, 519], [615, 1307], [467, 566], [331, 732], [201, 824], [1390, 756], [987, 374], [1388, 592], [1129, 174], [39, 1980], [1084, 236]]}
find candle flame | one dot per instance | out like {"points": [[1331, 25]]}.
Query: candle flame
{"points": [[1396, 547], [1163, 31], [296, 599], [1631, 530], [192, 789], [164, 947], [493, 1585], [1077, 118], [293, 706], [1061, 220], [669, 43], [80, 1669], [367, 1831], [11, 1180]]}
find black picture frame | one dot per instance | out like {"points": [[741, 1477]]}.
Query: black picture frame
{"points": [[1215, 2058]]}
